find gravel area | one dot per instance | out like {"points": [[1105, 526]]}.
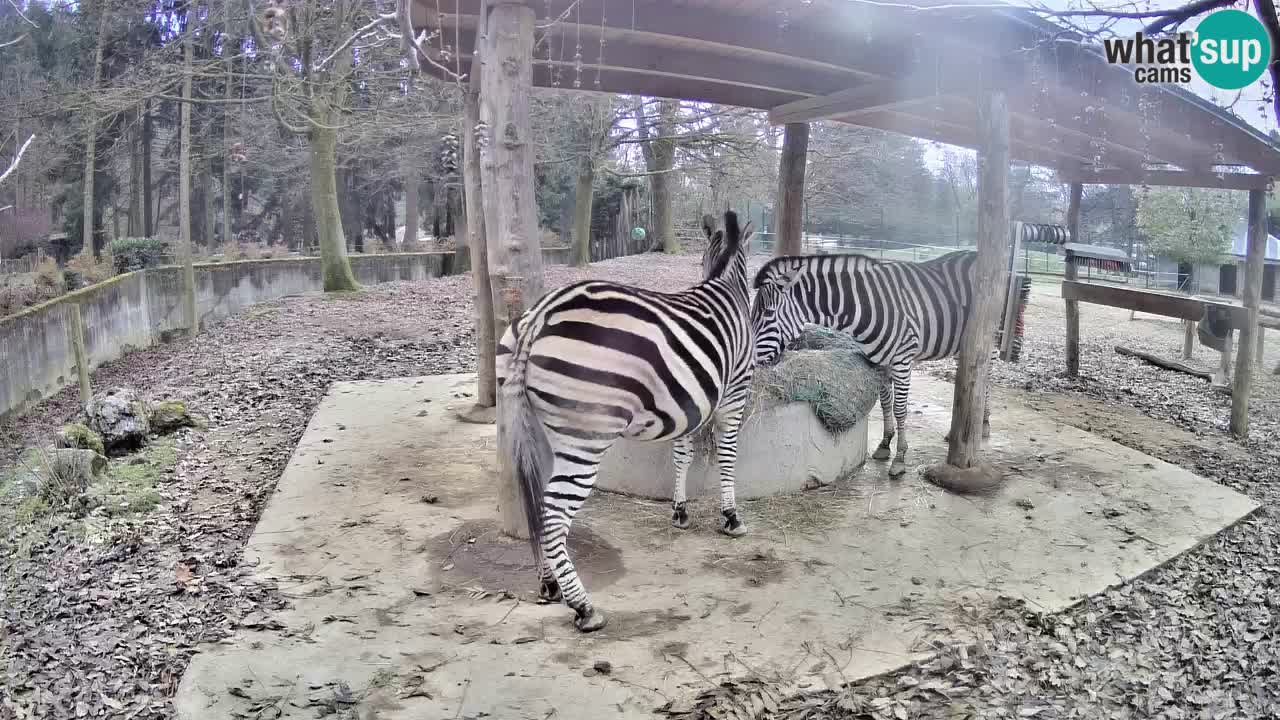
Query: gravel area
{"points": [[102, 625]]}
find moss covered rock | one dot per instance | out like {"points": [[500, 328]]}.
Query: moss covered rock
{"points": [[170, 415], [79, 436], [122, 420]]}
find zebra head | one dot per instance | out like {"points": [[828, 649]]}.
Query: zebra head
{"points": [[776, 313], [726, 253]]}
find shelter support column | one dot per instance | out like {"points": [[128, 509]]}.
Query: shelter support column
{"points": [[790, 204], [473, 216], [1069, 273], [1252, 297], [993, 236], [506, 176]]}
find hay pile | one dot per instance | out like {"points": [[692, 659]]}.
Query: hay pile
{"points": [[827, 370]]}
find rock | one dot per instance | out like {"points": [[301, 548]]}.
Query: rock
{"points": [[121, 419], [59, 474], [78, 436], [170, 415]]}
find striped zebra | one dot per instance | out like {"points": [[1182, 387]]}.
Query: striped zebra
{"points": [[597, 361], [899, 312]]}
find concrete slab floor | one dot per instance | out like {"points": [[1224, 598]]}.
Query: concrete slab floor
{"points": [[408, 604]]}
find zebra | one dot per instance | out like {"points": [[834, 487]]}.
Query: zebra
{"points": [[899, 312], [597, 361]]}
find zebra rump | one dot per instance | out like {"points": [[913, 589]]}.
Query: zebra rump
{"points": [[522, 437]]}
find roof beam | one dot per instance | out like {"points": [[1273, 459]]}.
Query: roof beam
{"points": [[878, 95], [1167, 178], [955, 134]]}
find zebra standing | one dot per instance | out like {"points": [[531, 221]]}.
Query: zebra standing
{"points": [[597, 361], [899, 312]]}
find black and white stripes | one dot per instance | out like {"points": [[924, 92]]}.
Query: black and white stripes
{"points": [[597, 361], [900, 312]]}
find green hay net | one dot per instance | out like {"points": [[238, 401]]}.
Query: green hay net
{"points": [[825, 369]]}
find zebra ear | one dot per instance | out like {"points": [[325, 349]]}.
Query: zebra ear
{"points": [[709, 224]]}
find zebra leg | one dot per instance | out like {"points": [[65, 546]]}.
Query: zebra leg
{"points": [[573, 476], [886, 407], [901, 374], [683, 456], [728, 421]]}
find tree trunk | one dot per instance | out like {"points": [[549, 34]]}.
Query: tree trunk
{"points": [[1252, 300], [993, 236], [228, 52], [511, 221], [486, 339], [148, 223], [91, 140], [184, 193], [411, 180], [135, 223], [1069, 273], [207, 218], [659, 157], [790, 206], [582, 197], [324, 203]]}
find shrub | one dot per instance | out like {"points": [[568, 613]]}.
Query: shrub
{"points": [[22, 290], [374, 246], [131, 254], [82, 271]]}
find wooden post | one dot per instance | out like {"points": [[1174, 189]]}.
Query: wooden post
{"points": [[486, 338], [1224, 360], [185, 250], [790, 204], [1070, 273], [506, 170], [1252, 296], [1262, 337], [76, 332], [1188, 339], [993, 235]]}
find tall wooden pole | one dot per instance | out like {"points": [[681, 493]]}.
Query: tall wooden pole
{"points": [[993, 250], [76, 331], [1069, 273], [1252, 297], [185, 250], [506, 172], [473, 209], [790, 205]]}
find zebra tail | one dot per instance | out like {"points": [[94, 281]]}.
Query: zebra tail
{"points": [[525, 443]]}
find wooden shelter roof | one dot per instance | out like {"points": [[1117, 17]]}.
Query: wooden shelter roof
{"points": [[913, 69]]}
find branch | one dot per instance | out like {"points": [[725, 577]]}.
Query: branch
{"points": [[14, 41], [22, 15], [359, 33], [1267, 13], [16, 159]]}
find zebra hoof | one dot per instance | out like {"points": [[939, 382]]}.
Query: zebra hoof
{"points": [[733, 526], [897, 469], [680, 517], [549, 592], [591, 622], [881, 453]]}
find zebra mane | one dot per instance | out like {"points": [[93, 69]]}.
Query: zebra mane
{"points": [[786, 263], [733, 237]]}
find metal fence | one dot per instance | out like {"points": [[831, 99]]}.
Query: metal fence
{"points": [[1033, 262]]}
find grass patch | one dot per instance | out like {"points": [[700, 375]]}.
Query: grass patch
{"points": [[130, 484]]}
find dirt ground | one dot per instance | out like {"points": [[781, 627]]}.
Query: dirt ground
{"points": [[103, 628]]}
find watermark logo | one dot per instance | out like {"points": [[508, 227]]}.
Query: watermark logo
{"points": [[1229, 50]]}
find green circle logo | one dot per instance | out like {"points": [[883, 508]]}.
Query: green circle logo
{"points": [[1232, 49]]}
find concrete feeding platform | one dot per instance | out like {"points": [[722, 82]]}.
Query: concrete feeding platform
{"points": [[382, 533], [781, 449]]}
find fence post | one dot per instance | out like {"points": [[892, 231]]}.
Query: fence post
{"points": [[76, 331]]}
